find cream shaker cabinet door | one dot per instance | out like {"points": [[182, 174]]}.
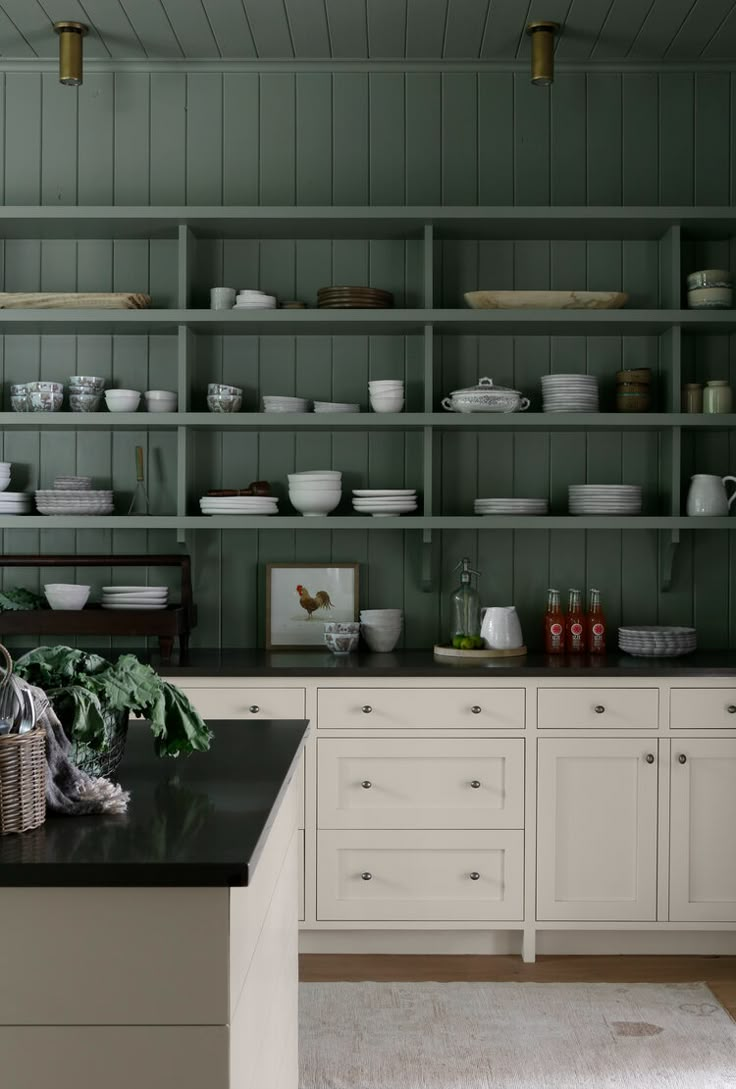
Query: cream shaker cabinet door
{"points": [[703, 831], [391, 783], [597, 829]]}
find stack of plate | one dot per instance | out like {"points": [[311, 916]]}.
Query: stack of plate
{"points": [[358, 298], [239, 504], [285, 404], [657, 641], [73, 483], [570, 393], [15, 503], [336, 406], [511, 506], [74, 501], [135, 597], [249, 299], [384, 502], [604, 498]]}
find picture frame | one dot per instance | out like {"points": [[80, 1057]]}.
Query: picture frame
{"points": [[300, 597]]}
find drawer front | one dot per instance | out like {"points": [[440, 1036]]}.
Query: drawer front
{"points": [[247, 703], [703, 708], [598, 709], [391, 783], [442, 875], [421, 708]]}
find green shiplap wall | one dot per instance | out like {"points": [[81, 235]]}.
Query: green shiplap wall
{"points": [[424, 137]]}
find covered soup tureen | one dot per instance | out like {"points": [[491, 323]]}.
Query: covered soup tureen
{"points": [[485, 397]]}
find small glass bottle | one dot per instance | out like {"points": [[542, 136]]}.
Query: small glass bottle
{"points": [[465, 606], [596, 625], [554, 625], [575, 624]]}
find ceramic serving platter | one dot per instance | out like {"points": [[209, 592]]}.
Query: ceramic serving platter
{"points": [[546, 300]]}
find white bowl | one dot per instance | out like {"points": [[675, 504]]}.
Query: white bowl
{"points": [[380, 642], [315, 504], [161, 400], [66, 595], [387, 404], [333, 487], [122, 400]]}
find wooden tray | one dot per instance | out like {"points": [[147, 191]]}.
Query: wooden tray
{"points": [[74, 300], [441, 651]]}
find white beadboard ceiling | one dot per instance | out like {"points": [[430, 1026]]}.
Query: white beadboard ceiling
{"points": [[594, 30]]}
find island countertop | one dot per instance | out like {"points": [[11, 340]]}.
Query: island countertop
{"points": [[199, 820]]}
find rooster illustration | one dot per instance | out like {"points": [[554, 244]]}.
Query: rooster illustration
{"points": [[321, 600]]}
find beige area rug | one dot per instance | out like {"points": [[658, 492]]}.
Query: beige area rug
{"points": [[514, 1036]]}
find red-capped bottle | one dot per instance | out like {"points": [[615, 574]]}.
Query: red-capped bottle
{"points": [[554, 625], [575, 624], [596, 625]]}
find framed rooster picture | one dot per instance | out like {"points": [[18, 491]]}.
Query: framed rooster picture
{"points": [[301, 597]]}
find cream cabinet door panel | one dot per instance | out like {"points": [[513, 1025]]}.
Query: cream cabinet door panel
{"points": [[247, 703], [598, 708], [597, 829], [421, 708], [409, 875], [703, 831], [392, 783], [703, 708]]}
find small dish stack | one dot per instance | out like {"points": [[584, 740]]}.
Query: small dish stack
{"points": [[336, 406], [570, 393], [354, 298], [381, 628], [74, 495], [384, 502], [386, 394], [135, 597], [315, 494], [604, 499], [248, 299], [511, 506], [285, 404], [657, 641], [239, 504]]}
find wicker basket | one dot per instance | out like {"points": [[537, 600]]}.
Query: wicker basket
{"points": [[22, 781]]}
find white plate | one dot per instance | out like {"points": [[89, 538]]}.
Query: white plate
{"points": [[135, 589], [384, 502], [365, 493], [132, 608], [245, 513]]}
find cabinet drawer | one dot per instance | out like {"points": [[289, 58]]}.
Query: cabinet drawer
{"points": [[417, 876], [703, 708], [391, 783], [247, 703], [421, 708], [598, 708]]}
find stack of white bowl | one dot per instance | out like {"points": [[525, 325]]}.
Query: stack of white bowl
{"points": [[511, 506], [386, 395], [11, 502], [657, 640], [135, 597], [381, 628], [239, 504], [285, 404], [315, 494], [336, 406], [250, 299], [384, 502], [570, 393], [604, 498]]}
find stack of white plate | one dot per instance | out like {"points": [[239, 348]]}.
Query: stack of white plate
{"points": [[74, 501], [336, 406], [239, 504], [135, 597], [384, 502], [657, 640], [248, 299], [604, 499], [570, 393], [4, 475], [285, 404], [73, 483], [15, 503], [511, 506]]}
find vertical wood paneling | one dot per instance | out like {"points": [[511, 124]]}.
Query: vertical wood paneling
{"points": [[423, 147], [169, 138]]}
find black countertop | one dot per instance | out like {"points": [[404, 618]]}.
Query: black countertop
{"points": [[192, 821]]}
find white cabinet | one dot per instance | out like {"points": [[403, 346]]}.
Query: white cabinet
{"points": [[703, 830], [597, 829], [597, 708], [421, 708], [703, 708]]}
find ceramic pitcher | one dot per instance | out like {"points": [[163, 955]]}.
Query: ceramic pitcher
{"points": [[500, 627], [707, 497]]}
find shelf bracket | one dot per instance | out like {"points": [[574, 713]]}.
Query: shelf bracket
{"points": [[668, 567], [426, 580]]}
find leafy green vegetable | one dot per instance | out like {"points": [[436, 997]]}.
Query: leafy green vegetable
{"points": [[17, 599], [88, 691]]}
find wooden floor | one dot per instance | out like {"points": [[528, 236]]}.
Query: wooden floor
{"points": [[718, 972]]}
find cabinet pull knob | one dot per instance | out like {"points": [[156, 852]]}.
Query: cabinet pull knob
{"points": [[476, 709], [366, 709], [474, 876], [650, 758], [254, 708], [475, 783], [599, 709], [366, 876], [731, 708], [682, 758], [366, 784]]}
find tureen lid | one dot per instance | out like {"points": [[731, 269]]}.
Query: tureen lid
{"points": [[484, 385]]}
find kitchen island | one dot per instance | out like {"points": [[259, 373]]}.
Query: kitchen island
{"points": [[160, 947]]}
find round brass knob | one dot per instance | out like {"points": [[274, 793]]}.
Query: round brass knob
{"points": [[366, 784], [476, 710], [682, 758], [650, 758], [599, 709], [474, 876], [367, 709], [475, 783], [366, 876]]}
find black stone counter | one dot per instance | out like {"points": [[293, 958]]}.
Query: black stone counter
{"points": [[192, 821]]}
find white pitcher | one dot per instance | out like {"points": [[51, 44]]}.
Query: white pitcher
{"points": [[707, 497], [500, 627]]}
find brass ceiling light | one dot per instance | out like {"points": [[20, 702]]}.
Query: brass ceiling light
{"points": [[542, 34], [70, 52]]}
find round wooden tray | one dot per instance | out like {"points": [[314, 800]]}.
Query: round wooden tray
{"points": [[441, 651]]}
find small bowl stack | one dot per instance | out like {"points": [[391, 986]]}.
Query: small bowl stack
{"points": [[381, 628], [354, 298], [224, 398], [126, 598], [37, 396], [657, 641], [272, 403], [386, 395], [604, 499], [335, 406], [85, 393], [341, 637], [570, 393], [384, 502], [316, 493]]}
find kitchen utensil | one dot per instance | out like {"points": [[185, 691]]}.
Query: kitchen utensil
{"points": [[707, 496], [546, 300], [140, 488], [500, 627]]}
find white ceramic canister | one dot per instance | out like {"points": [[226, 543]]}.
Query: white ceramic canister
{"points": [[707, 497]]}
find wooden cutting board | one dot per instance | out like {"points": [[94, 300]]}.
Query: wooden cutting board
{"points": [[73, 300]]}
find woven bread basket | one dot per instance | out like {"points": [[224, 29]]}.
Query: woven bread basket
{"points": [[22, 763]]}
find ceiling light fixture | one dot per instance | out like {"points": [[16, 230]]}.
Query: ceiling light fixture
{"points": [[70, 52], [542, 34]]}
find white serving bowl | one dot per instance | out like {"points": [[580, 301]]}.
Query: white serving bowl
{"points": [[160, 400], [314, 504], [66, 595], [122, 400], [380, 642]]}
